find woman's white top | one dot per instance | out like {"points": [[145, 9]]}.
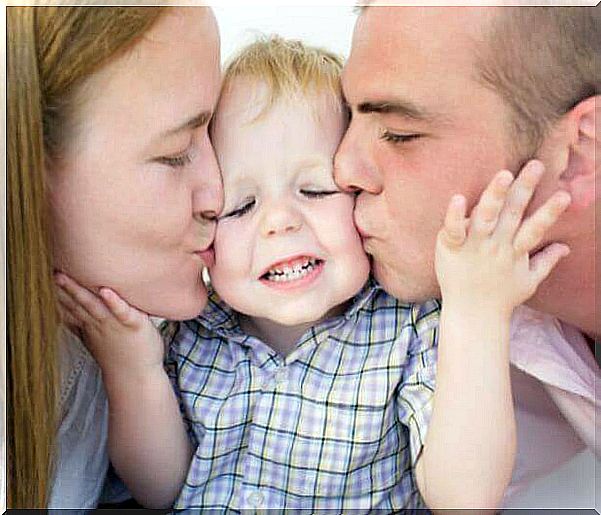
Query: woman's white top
{"points": [[81, 455]]}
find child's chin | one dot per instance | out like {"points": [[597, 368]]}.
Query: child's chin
{"points": [[292, 319]]}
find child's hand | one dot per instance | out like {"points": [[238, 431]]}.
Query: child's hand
{"points": [[485, 261], [119, 336]]}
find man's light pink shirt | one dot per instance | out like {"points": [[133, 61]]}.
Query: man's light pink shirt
{"points": [[555, 379]]}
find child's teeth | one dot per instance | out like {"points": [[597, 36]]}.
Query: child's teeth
{"points": [[288, 273]]}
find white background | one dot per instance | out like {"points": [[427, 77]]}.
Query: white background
{"points": [[329, 26]]}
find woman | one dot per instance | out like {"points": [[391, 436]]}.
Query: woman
{"points": [[112, 179]]}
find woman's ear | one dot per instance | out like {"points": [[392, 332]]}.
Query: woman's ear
{"points": [[582, 168]]}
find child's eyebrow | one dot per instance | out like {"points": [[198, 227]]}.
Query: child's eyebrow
{"points": [[313, 162], [239, 186]]}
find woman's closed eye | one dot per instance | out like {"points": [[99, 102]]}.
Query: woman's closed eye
{"points": [[176, 161], [186, 153], [246, 207]]}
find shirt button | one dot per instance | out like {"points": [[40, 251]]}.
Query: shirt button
{"points": [[280, 377], [256, 499]]}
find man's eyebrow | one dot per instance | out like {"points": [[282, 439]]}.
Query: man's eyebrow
{"points": [[193, 123], [405, 109]]}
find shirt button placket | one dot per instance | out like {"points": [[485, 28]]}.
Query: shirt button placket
{"points": [[280, 377]]}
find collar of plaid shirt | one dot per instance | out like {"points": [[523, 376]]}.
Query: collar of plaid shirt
{"points": [[220, 318]]}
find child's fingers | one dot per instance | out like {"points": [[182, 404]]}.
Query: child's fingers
{"points": [[532, 231], [66, 317], [72, 313], [518, 199], [118, 307], [545, 260], [68, 320], [453, 231], [486, 213], [82, 296]]}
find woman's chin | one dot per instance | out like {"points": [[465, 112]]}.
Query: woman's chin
{"points": [[182, 306]]}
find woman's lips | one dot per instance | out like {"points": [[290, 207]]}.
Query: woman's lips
{"points": [[207, 256]]}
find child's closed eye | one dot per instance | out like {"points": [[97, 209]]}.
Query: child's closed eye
{"points": [[316, 193], [246, 207]]}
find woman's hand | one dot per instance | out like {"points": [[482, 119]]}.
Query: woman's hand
{"points": [[484, 261], [120, 337]]}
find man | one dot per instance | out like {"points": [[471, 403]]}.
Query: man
{"points": [[441, 99]]}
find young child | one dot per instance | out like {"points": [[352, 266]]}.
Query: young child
{"points": [[303, 385]]}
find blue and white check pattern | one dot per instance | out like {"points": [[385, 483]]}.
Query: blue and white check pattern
{"points": [[337, 424]]}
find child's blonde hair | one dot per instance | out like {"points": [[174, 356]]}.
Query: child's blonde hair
{"points": [[287, 67]]}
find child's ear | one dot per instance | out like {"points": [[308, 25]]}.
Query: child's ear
{"points": [[569, 151]]}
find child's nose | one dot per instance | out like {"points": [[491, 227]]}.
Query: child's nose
{"points": [[281, 219]]}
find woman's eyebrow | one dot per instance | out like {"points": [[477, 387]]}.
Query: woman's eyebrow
{"points": [[192, 123], [196, 121]]}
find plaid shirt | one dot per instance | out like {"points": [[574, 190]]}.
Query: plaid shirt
{"points": [[337, 424]]}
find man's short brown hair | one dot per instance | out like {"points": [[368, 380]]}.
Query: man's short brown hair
{"points": [[542, 61]]}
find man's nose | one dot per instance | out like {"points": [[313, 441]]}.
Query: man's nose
{"points": [[280, 218], [354, 170], [207, 195]]}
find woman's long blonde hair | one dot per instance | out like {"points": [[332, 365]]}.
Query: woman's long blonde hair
{"points": [[50, 52]]}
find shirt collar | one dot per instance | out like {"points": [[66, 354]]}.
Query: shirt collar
{"points": [[223, 320]]}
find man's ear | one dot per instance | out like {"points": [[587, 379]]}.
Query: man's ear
{"points": [[569, 151]]}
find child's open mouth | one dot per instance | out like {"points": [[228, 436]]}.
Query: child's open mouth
{"points": [[293, 273]]}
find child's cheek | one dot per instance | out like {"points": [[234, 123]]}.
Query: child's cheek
{"points": [[234, 245], [220, 242], [337, 216], [232, 263], [225, 245]]}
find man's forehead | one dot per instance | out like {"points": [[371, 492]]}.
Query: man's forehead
{"points": [[396, 46], [435, 27], [373, 72], [424, 17]]}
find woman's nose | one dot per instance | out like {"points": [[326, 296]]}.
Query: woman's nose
{"points": [[207, 197]]}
